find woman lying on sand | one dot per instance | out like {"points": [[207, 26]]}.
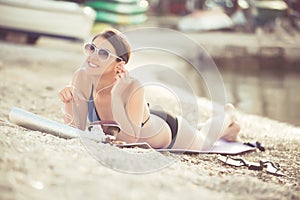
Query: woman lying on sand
{"points": [[102, 90]]}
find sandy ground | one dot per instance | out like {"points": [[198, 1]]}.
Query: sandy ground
{"points": [[35, 165]]}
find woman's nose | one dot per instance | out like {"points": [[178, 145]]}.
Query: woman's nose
{"points": [[94, 56]]}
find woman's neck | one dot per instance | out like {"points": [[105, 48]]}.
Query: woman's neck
{"points": [[104, 83]]}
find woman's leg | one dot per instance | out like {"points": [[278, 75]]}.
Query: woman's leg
{"points": [[156, 133], [230, 128], [193, 139]]}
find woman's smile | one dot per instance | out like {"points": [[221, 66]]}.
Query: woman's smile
{"points": [[92, 65]]}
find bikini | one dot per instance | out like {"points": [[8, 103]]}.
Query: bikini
{"points": [[172, 121]]}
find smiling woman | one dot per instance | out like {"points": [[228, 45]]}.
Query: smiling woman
{"points": [[103, 92]]}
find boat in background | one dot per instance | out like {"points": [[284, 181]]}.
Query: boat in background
{"points": [[120, 11], [36, 18], [205, 20], [269, 10]]}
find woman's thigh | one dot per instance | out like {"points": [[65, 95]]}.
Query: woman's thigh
{"points": [[156, 132], [188, 137]]}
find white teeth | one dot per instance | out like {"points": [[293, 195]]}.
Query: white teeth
{"points": [[93, 65]]}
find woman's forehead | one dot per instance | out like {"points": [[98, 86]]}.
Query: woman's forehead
{"points": [[101, 42]]}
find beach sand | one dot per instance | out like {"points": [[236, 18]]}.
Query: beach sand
{"points": [[36, 165]]}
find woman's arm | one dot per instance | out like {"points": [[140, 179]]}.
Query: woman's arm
{"points": [[128, 113], [76, 107]]}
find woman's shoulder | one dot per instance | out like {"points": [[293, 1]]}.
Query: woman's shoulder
{"points": [[136, 84], [135, 81], [129, 86], [134, 89]]}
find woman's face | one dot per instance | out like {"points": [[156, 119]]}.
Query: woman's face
{"points": [[96, 66]]}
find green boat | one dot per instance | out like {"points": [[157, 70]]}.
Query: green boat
{"points": [[120, 11], [118, 7], [116, 18], [121, 1]]}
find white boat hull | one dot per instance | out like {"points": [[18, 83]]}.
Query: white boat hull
{"points": [[45, 17]]}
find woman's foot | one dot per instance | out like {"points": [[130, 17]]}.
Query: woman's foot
{"points": [[231, 111], [231, 133]]}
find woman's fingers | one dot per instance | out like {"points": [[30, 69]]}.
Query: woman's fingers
{"points": [[61, 97], [69, 95], [118, 77], [66, 94], [120, 74], [120, 69]]}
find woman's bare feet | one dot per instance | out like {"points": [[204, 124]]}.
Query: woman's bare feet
{"points": [[231, 111], [231, 133], [230, 129]]}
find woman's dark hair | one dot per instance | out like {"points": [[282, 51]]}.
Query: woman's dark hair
{"points": [[118, 41]]}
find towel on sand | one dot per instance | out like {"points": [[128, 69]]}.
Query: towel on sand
{"points": [[220, 147]]}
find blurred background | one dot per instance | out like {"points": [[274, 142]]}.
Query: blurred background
{"points": [[254, 43]]}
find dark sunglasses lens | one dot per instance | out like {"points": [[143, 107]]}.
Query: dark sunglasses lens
{"points": [[89, 49], [103, 54]]}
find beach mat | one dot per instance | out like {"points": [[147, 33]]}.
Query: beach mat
{"points": [[34, 122], [220, 147]]}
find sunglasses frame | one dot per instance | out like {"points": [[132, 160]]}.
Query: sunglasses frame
{"points": [[97, 51]]}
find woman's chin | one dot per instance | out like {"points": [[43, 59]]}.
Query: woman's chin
{"points": [[93, 70]]}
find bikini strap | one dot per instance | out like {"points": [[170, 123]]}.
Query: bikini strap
{"points": [[92, 99], [143, 123]]}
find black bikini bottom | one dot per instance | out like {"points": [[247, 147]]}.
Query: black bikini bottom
{"points": [[171, 121]]}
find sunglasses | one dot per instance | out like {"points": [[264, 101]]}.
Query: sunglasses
{"points": [[103, 54]]}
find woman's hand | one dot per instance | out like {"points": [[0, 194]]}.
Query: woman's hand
{"points": [[120, 72], [66, 94], [122, 81]]}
